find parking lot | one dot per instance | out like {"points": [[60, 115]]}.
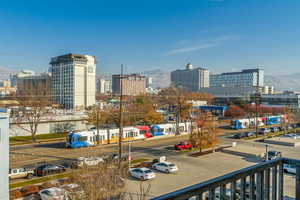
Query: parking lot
{"points": [[195, 170]]}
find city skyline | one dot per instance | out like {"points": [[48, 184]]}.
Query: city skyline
{"points": [[222, 35]]}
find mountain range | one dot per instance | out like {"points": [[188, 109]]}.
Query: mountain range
{"points": [[4, 72]]}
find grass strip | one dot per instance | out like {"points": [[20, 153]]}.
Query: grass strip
{"points": [[38, 137], [39, 180]]}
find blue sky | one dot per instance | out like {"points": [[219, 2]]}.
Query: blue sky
{"points": [[222, 35]]}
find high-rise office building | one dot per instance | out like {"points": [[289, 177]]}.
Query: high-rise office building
{"points": [[245, 78], [34, 85], [103, 86], [191, 79], [4, 156], [74, 80], [132, 84]]}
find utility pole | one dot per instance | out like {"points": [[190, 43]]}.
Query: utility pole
{"points": [[97, 118], [256, 103], [121, 117]]}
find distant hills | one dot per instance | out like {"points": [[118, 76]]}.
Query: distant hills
{"points": [[4, 72], [284, 82]]}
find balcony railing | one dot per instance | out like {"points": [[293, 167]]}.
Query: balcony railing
{"points": [[263, 181]]}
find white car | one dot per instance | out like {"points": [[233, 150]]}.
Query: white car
{"points": [[54, 193], [142, 173], [87, 161], [165, 167], [292, 136], [289, 168]]}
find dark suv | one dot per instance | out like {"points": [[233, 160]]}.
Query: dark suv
{"points": [[47, 169]]}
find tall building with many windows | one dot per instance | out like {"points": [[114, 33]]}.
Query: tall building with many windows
{"points": [[245, 78], [191, 79], [4, 156], [133, 84], [74, 80], [103, 86]]}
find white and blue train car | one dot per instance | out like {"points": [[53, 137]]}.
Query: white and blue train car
{"points": [[91, 138], [80, 139], [246, 123]]}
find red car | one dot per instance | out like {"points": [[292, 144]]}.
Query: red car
{"points": [[183, 145]]}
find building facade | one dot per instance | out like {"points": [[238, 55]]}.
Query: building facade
{"points": [[103, 86], [132, 84], [35, 85], [74, 80], [191, 79], [4, 156], [290, 100], [245, 78]]}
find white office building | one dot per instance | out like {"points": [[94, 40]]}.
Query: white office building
{"points": [[245, 78], [74, 80], [103, 86], [4, 156], [191, 79]]}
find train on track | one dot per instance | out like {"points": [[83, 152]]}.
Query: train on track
{"points": [[262, 121], [92, 137]]}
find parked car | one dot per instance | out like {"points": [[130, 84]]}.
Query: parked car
{"points": [[86, 161], [167, 167], [218, 195], [183, 145], [250, 134], [282, 128], [263, 131], [115, 157], [54, 193], [287, 168], [20, 173], [291, 136], [274, 129], [272, 155], [294, 125], [239, 135], [142, 173], [47, 169]]}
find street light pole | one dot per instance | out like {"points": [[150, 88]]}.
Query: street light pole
{"points": [[121, 117], [267, 156], [129, 154]]}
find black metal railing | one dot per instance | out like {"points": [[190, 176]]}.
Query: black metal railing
{"points": [[263, 181]]}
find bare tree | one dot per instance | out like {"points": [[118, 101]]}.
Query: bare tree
{"points": [[106, 181], [35, 101]]}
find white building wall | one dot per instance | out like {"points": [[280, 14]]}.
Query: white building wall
{"points": [[79, 89], [4, 155], [90, 81]]}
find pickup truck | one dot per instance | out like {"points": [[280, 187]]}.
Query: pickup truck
{"points": [[20, 173], [86, 161], [183, 145]]}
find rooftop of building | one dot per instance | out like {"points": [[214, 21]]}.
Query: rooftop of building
{"points": [[189, 67], [69, 57], [129, 75], [241, 72]]}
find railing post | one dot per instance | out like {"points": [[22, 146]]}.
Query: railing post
{"points": [[260, 185], [223, 192], [252, 186], [211, 194], [274, 183], [233, 190], [267, 184], [243, 189], [280, 181], [297, 182]]}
